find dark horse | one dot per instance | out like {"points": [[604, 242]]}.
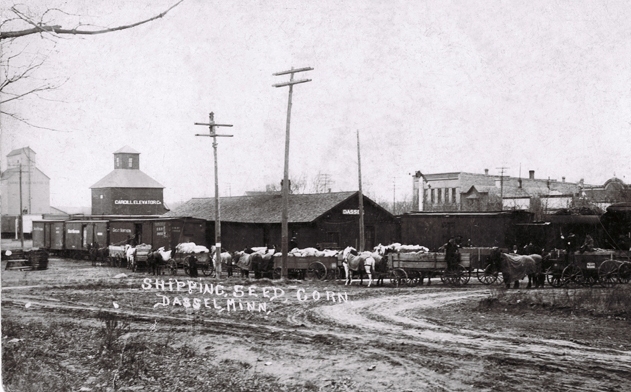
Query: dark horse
{"points": [[96, 252], [515, 267], [157, 260]]}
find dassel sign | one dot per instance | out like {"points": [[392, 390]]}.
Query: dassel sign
{"points": [[350, 212]]}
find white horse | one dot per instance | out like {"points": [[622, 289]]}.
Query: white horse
{"points": [[225, 257], [166, 255], [364, 262], [130, 254]]}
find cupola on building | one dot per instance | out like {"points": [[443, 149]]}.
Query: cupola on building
{"points": [[127, 190]]}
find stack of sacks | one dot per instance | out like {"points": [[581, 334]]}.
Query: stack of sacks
{"points": [[306, 252], [399, 248], [190, 247]]}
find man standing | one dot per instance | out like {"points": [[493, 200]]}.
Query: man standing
{"points": [[451, 253]]}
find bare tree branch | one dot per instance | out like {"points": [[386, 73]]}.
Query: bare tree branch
{"points": [[56, 29], [15, 116]]}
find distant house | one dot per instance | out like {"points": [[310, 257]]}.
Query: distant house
{"points": [[326, 219], [614, 190], [461, 191]]}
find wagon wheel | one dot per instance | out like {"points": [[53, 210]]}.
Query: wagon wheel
{"points": [[414, 278], [554, 277], [316, 270], [608, 273], [173, 267], [398, 277], [451, 277], [331, 274], [277, 273], [465, 275], [487, 276], [572, 275], [208, 270], [624, 272]]}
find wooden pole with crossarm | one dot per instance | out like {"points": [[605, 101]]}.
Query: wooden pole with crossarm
{"points": [[211, 127], [284, 224]]}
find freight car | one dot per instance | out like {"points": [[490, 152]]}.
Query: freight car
{"points": [[74, 238]]}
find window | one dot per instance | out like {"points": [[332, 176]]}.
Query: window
{"points": [[453, 195], [118, 162], [439, 195], [131, 161], [433, 193], [446, 195]]}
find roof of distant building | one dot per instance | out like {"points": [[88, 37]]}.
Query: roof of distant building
{"points": [[126, 150], [20, 151], [266, 208], [123, 178], [16, 170]]}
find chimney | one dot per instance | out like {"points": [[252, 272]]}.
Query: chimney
{"points": [[519, 181], [416, 181], [563, 179], [531, 174], [486, 172]]}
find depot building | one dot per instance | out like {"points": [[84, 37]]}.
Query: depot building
{"points": [[127, 190]]}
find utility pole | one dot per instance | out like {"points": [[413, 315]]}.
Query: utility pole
{"points": [[211, 127], [285, 190], [394, 195], [21, 212], [361, 198]]}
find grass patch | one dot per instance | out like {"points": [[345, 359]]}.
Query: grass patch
{"points": [[112, 356], [608, 302]]}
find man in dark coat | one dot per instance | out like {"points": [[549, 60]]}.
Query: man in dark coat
{"points": [[451, 253]]}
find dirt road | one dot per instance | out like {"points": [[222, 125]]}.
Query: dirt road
{"points": [[380, 338]]}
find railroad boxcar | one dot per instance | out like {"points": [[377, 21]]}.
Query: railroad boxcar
{"points": [[49, 235], [80, 235]]}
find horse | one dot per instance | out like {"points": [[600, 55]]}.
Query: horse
{"points": [[96, 252], [224, 257], [354, 262], [243, 262], [157, 260], [130, 255], [515, 267]]}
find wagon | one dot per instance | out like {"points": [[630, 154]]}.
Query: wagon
{"points": [[309, 267], [486, 272], [586, 269], [140, 259], [183, 260], [117, 255], [411, 268]]}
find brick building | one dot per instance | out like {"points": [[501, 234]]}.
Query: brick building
{"points": [[127, 190]]}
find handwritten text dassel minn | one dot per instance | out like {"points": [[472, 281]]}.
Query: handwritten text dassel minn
{"points": [[199, 295]]}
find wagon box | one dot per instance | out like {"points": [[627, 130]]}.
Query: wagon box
{"points": [[312, 266], [412, 268]]}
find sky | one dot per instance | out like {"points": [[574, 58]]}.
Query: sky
{"points": [[435, 86]]}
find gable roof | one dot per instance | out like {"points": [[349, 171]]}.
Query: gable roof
{"points": [[125, 178], [265, 208], [20, 151], [126, 150], [16, 171]]}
